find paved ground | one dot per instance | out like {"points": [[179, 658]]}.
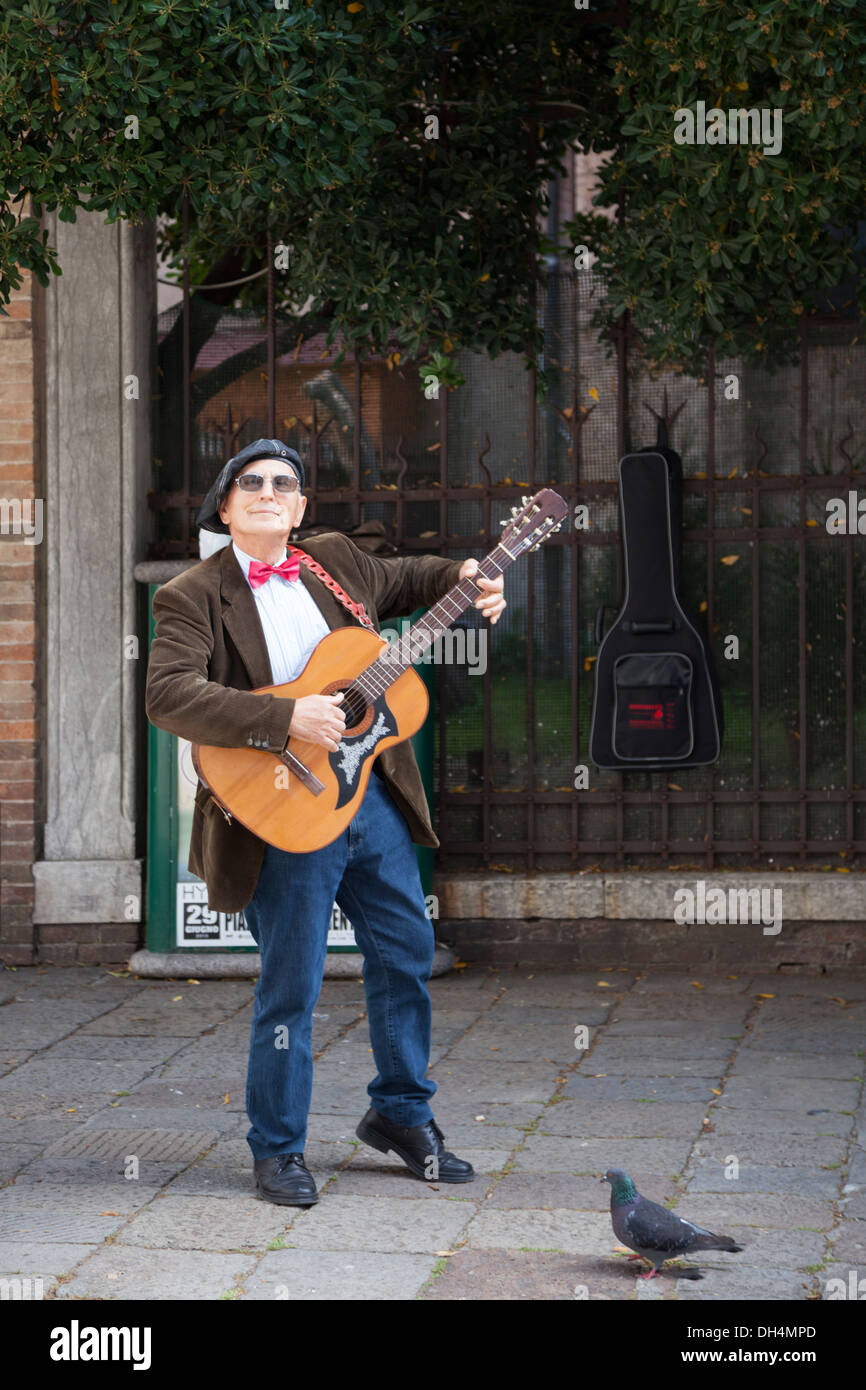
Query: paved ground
{"points": [[739, 1099]]}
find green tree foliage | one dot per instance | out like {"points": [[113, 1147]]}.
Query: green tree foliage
{"points": [[725, 244], [315, 119]]}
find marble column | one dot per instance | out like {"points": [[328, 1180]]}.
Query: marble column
{"points": [[99, 332]]}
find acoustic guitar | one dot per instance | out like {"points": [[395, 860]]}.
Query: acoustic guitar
{"points": [[303, 798]]}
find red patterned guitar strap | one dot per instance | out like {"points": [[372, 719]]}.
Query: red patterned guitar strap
{"points": [[356, 609]]}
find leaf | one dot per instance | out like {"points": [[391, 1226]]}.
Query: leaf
{"points": [[176, 998], [730, 559], [593, 393], [765, 996]]}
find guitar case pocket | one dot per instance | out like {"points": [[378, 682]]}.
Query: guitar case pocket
{"points": [[653, 714]]}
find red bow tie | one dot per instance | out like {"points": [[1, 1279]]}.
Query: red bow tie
{"points": [[260, 573]]}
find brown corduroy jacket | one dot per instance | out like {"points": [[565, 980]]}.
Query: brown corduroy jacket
{"points": [[209, 653]]}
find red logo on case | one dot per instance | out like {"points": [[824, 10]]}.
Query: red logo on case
{"points": [[646, 716]]}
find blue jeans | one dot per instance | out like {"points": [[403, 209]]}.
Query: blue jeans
{"points": [[371, 871]]}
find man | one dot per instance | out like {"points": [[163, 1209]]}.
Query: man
{"points": [[238, 621]]}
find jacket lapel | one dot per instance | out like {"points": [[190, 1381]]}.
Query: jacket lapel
{"points": [[241, 620]]}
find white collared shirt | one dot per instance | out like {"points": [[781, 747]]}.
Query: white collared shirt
{"points": [[291, 620]]}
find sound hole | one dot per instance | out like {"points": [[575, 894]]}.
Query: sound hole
{"points": [[354, 705]]}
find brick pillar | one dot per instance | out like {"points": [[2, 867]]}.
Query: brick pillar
{"points": [[20, 554]]}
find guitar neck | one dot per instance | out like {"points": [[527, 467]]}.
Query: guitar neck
{"points": [[402, 653]]}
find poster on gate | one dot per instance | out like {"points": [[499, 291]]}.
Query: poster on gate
{"points": [[198, 924]]}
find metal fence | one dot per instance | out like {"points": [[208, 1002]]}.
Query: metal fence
{"points": [[763, 454]]}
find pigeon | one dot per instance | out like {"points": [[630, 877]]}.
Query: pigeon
{"points": [[655, 1233]]}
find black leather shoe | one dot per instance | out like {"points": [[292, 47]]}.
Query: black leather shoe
{"points": [[285, 1180], [422, 1148]]}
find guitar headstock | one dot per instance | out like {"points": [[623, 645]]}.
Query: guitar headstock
{"points": [[531, 524]]}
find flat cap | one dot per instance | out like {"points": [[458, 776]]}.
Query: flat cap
{"points": [[208, 518]]}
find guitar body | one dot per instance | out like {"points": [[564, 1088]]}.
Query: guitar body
{"points": [[262, 793]]}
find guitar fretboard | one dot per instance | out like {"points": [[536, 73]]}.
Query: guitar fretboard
{"points": [[399, 655]]}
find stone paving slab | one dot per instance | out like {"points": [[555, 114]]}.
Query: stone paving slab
{"points": [[709, 1176], [848, 1242], [130, 1272], [452, 1111], [565, 1190], [76, 1077], [33, 1026], [784, 1093], [576, 1232], [146, 1015], [785, 1150], [530, 1081], [584, 1119], [80, 1047], [514, 1015], [148, 1144], [632, 1048], [619, 1088], [718, 1212], [129, 1114], [36, 1259], [548, 989], [759, 1065], [399, 1182], [768, 1249], [702, 1066], [54, 1212], [473, 1275], [831, 1038], [99, 1175], [207, 1223], [530, 1044], [667, 1026], [392, 1224], [759, 1120], [180, 1093], [744, 1285], [14, 1157], [541, 1154], [313, 1275]]}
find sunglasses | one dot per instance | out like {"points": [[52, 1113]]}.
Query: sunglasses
{"points": [[254, 482]]}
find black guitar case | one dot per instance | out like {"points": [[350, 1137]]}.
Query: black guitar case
{"points": [[657, 702]]}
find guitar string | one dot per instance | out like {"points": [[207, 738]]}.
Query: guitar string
{"points": [[386, 669]]}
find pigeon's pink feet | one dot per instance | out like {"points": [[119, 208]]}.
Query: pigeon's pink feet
{"points": [[651, 1275], [635, 1257]]}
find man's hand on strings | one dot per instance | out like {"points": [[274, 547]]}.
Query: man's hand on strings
{"points": [[492, 600]]}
